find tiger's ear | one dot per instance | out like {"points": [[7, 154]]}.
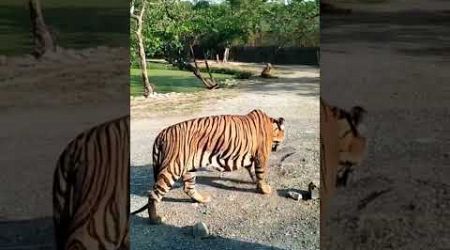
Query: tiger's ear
{"points": [[357, 113]]}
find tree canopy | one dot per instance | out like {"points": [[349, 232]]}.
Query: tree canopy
{"points": [[171, 26]]}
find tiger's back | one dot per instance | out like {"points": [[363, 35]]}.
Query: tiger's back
{"points": [[90, 189], [225, 143]]}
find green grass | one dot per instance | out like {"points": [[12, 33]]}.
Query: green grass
{"points": [[76, 24], [167, 79]]}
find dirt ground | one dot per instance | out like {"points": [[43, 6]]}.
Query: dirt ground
{"points": [[237, 216], [393, 60]]}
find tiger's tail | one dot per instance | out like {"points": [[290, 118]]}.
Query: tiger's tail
{"points": [[157, 156], [140, 209]]}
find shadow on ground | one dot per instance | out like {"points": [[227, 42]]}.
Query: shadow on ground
{"points": [[165, 238], [142, 182], [304, 86], [408, 32], [27, 234]]}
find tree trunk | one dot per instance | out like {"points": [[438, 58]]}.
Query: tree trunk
{"points": [[42, 39], [318, 56], [209, 83], [226, 54], [148, 88], [217, 58]]}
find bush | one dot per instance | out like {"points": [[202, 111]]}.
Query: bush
{"points": [[243, 75], [237, 73]]}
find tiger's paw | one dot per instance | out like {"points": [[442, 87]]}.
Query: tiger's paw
{"points": [[205, 198], [157, 220], [264, 188]]}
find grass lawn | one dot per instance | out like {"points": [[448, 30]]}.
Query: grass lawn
{"points": [[77, 24], [168, 80]]}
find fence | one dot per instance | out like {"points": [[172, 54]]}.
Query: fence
{"points": [[288, 55]]}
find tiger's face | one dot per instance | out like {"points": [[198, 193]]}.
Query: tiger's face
{"points": [[277, 133], [352, 143]]}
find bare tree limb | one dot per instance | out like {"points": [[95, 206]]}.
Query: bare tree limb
{"points": [[209, 83]]}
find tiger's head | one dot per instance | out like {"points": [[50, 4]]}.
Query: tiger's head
{"points": [[278, 132], [352, 142]]}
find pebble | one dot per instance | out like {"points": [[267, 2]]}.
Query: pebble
{"points": [[294, 195], [313, 190], [315, 194], [200, 230]]}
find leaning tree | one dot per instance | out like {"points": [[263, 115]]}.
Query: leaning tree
{"points": [[139, 18], [42, 38]]}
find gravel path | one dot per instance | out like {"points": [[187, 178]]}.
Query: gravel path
{"points": [[238, 217]]}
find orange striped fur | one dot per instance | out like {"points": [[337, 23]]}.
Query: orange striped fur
{"points": [[224, 143], [91, 189], [342, 147]]}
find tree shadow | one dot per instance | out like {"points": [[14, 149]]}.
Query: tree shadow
{"points": [[164, 236], [408, 32], [36, 233], [305, 86]]}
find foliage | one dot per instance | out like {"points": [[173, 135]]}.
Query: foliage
{"points": [[173, 25], [295, 24], [237, 73]]}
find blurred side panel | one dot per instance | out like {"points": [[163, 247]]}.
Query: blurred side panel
{"points": [[392, 58], [64, 69]]}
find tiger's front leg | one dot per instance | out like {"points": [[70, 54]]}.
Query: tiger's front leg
{"points": [[261, 175], [189, 188]]}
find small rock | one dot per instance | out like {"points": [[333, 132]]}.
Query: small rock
{"points": [[294, 195], [315, 194], [313, 190], [200, 230]]}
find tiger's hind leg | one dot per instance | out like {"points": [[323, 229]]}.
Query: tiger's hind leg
{"points": [[164, 183], [251, 173], [152, 215], [189, 188]]}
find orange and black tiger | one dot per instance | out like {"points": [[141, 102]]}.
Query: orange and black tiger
{"points": [[343, 147], [91, 189], [224, 143]]}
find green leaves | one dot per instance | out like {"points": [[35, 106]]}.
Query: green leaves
{"points": [[172, 25]]}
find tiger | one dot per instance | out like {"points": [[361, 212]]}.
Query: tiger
{"points": [[91, 189], [267, 71], [343, 147], [223, 143]]}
